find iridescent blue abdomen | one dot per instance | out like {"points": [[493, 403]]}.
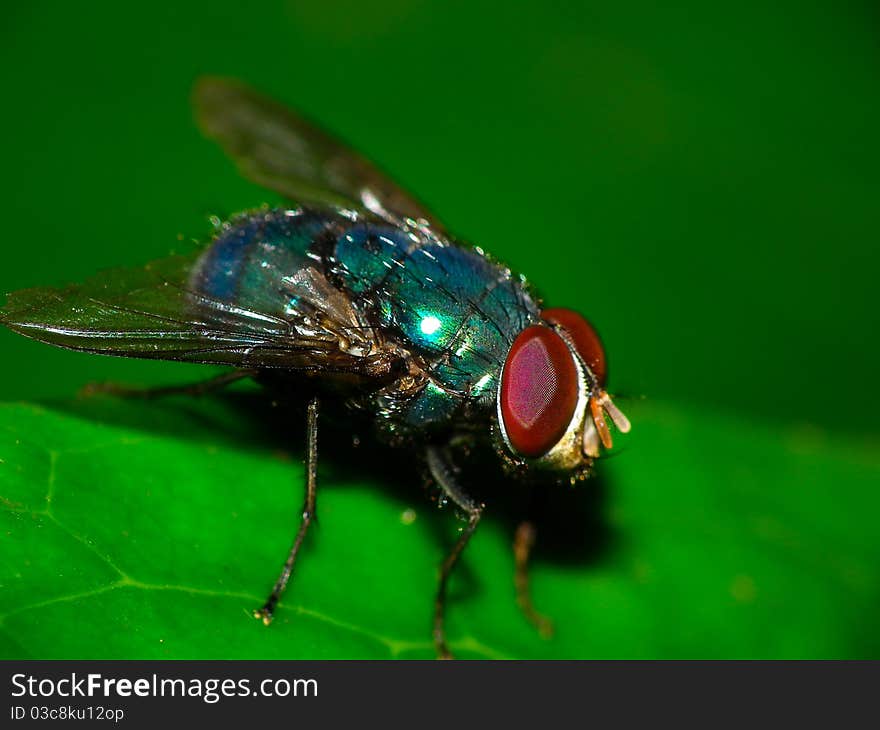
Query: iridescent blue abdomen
{"points": [[248, 260]]}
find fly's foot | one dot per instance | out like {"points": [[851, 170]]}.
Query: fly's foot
{"points": [[542, 623], [264, 614], [440, 645]]}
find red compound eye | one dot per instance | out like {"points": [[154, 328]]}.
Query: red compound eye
{"points": [[539, 391], [585, 339]]}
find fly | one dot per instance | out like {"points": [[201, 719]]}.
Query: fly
{"points": [[355, 292]]}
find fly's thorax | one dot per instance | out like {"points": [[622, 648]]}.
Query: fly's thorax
{"points": [[450, 306], [551, 401]]}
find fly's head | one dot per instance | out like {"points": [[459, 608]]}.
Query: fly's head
{"points": [[551, 401]]}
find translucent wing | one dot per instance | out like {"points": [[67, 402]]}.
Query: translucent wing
{"points": [[280, 150], [154, 312]]}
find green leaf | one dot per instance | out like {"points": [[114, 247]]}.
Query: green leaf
{"points": [[144, 530]]}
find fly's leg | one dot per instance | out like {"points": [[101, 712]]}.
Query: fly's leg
{"points": [[442, 471], [523, 541], [308, 515], [195, 389]]}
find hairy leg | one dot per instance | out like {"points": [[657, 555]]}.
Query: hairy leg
{"points": [[442, 470], [308, 515], [198, 388]]}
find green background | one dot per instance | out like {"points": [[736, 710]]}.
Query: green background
{"points": [[701, 181]]}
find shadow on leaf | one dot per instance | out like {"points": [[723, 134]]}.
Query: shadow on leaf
{"points": [[570, 521]]}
